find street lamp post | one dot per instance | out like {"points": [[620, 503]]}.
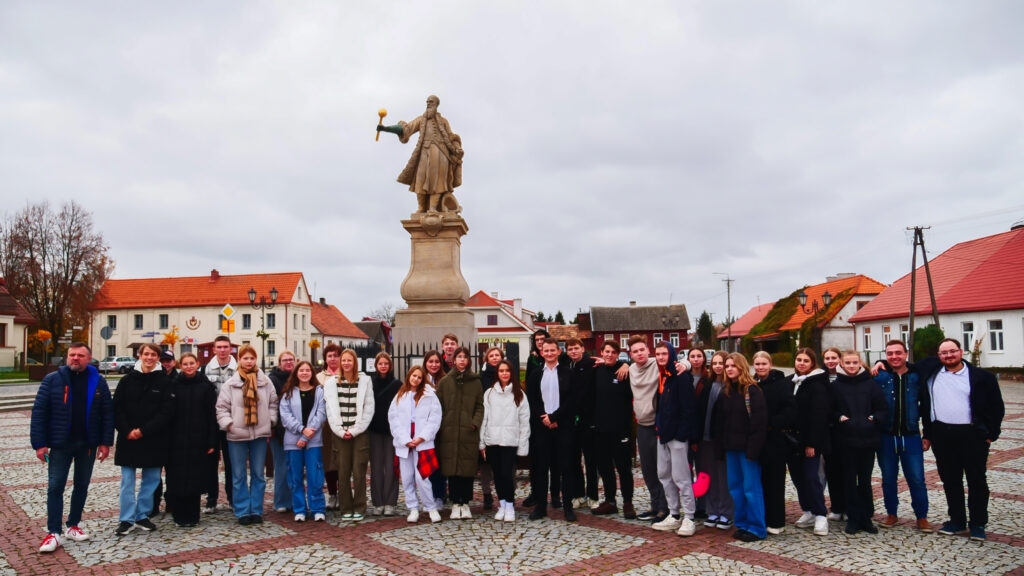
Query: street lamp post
{"points": [[263, 305], [826, 299]]}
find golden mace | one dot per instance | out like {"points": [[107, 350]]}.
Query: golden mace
{"points": [[382, 113]]}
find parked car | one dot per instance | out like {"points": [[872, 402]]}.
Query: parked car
{"points": [[120, 364]]}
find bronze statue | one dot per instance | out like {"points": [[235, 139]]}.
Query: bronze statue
{"points": [[435, 167]]}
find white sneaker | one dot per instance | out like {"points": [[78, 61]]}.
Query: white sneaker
{"points": [[282, 510], [835, 517], [300, 517], [593, 503], [319, 517], [332, 502], [210, 510], [389, 510], [687, 528], [670, 523], [500, 514], [805, 521], [50, 543], [775, 531], [413, 517], [456, 512], [579, 502], [820, 526], [510, 512], [77, 534], [435, 516], [465, 512]]}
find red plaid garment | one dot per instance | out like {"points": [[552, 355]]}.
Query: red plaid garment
{"points": [[427, 462]]}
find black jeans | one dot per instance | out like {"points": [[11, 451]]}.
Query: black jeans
{"points": [[615, 455], [503, 463], [461, 489], [773, 482], [587, 482], [551, 454], [961, 450], [857, 466], [184, 507], [834, 480]]}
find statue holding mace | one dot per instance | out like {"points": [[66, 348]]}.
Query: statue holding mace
{"points": [[435, 168]]}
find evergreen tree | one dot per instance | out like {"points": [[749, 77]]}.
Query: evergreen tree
{"points": [[705, 330]]}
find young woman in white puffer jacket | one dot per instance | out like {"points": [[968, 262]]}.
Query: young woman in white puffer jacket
{"points": [[504, 435]]}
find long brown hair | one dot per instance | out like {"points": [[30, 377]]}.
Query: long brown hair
{"points": [[724, 356], [704, 375], [293, 379], [355, 366], [745, 380], [810, 354], [407, 387], [517, 390], [440, 371]]}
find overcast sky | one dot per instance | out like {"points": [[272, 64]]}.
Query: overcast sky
{"points": [[614, 151]]}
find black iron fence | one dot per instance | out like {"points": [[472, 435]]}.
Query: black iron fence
{"points": [[407, 355]]}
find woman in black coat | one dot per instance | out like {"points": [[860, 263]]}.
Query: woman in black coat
{"points": [[193, 439], [383, 481], [859, 411], [143, 408], [810, 390], [778, 445]]}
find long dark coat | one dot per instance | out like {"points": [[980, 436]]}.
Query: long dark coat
{"points": [[462, 413], [193, 433], [144, 401]]}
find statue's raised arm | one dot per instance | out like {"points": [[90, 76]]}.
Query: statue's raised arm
{"points": [[434, 170]]}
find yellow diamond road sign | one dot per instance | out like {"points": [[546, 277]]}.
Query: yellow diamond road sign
{"points": [[228, 311]]}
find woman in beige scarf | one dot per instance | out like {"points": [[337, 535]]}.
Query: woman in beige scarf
{"points": [[247, 411]]}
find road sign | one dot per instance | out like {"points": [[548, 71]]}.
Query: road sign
{"points": [[64, 341], [106, 332], [227, 311]]}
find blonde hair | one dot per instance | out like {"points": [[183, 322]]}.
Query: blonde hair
{"points": [[745, 380], [762, 354]]}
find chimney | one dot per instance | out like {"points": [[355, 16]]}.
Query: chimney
{"points": [[323, 301], [494, 295], [214, 275], [632, 302], [517, 308]]}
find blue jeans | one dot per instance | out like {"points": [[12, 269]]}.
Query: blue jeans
{"points": [[282, 494], [57, 478], [747, 495], [311, 461], [907, 451], [137, 507], [249, 485]]}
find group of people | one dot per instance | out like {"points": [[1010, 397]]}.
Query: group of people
{"points": [[580, 419]]}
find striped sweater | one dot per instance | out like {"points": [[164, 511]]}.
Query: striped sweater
{"points": [[350, 406]]}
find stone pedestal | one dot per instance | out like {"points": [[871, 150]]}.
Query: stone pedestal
{"points": [[434, 289]]}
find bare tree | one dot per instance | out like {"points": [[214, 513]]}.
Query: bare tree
{"points": [[385, 311], [54, 263]]}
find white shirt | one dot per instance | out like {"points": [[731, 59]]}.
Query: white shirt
{"points": [[549, 389], [951, 397]]}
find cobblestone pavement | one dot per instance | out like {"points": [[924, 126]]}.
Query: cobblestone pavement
{"points": [[594, 545]]}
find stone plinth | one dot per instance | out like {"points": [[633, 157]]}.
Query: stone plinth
{"points": [[434, 289]]}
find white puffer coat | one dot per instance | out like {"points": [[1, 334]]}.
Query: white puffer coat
{"points": [[505, 424]]}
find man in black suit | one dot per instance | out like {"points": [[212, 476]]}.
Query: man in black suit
{"points": [[552, 431]]}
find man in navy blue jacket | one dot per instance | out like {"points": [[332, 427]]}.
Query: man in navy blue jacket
{"points": [[72, 421]]}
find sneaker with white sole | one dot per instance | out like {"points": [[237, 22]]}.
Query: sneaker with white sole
{"points": [[332, 502], [435, 516], [711, 521], [724, 523], [670, 523], [835, 517], [820, 526], [500, 514], [210, 510], [319, 517], [413, 517], [77, 534], [146, 524], [456, 512], [50, 543], [124, 528], [389, 510], [281, 510], [687, 527], [775, 531], [510, 512], [300, 517], [805, 521], [593, 504], [465, 512]]}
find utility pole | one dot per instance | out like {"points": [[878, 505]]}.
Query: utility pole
{"points": [[728, 303], [919, 241]]}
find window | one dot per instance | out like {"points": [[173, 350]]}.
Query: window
{"points": [[624, 341], [187, 349], [271, 348], [246, 321], [609, 337], [303, 321], [886, 334], [165, 322], [300, 292], [138, 321], [295, 347], [271, 321], [303, 345], [295, 322], [674, 339], [112, 323], [658, 337], [867, 338], [111, 350], [995, 335], [862, 304], [492, 319], [967, 335], [904, 333]]}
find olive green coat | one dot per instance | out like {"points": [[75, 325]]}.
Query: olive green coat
{"points": [[462, 413]]}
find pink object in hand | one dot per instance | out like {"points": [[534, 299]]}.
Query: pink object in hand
{"points": [[700, 487]]}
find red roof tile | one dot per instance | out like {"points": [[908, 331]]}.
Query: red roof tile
{"points": [[329, 321], [213, 290], [743, 324], [860, 284], [982, 274], [11, 307]]}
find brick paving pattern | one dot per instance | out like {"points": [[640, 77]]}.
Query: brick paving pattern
{"points": [[595, 545]]}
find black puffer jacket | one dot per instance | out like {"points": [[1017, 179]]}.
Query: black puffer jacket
{"points": [[193, 432], [735, 429], [813, 408], [781, 406], [144, 401], [861, 401]]}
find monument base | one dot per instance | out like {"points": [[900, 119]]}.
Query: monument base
{"points": [[426, 326]]}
